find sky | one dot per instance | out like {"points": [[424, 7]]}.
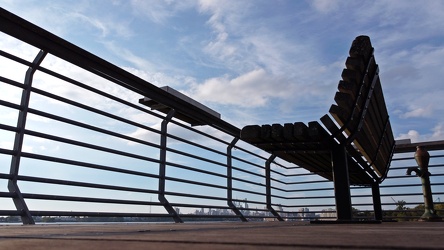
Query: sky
{"points": [[263, 62], [254, 62]]}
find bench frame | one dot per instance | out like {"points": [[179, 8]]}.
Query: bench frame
{"points": [[376, 143]]}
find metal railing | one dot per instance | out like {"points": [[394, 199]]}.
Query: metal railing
{"points": [[76, 144]]}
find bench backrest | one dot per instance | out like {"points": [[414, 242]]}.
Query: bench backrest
{"points": [[360, 108]]}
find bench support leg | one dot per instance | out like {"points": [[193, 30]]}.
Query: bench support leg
{"points": [[377, 206], [341, 183]]}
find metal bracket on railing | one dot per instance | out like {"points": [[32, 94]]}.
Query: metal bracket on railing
{"points": [[230, 181], [162, 167], [268, 186], [13, 188]]}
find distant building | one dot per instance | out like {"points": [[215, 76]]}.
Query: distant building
{"points": [[304, 214], [328, 213]]}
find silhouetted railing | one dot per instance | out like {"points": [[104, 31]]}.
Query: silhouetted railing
{"points": [[75, 143]]}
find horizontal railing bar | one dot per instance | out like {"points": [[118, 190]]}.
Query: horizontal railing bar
{"points": [[219, 216], [312, 197], [249, 201], [247, 172], [247, 181], [248, 162], [171, 136], [411, 148], [411, 194], [10, 212], [88, 199], [15, 58], [195, 196], [90, 127], [195, 182], [95, 214], [8, 128], [298, 175], [255, 155], [279, 189], [10, 105], [406, 167], [12, 82], [413, 157], [78, 184], [312, 189], [88, 145], [260, 216], [6, 195], [278, 181], [93, 110], [247, 191], [409, 176], [87, 165], [305, 205], [199, 206], [171, 150], [409, 185], [171, 164], [307, 182]]}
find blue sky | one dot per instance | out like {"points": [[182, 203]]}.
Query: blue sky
{"points": [[254, 62], [259, 62]]}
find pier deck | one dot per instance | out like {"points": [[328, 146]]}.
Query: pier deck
{"points": [[251, 235]]}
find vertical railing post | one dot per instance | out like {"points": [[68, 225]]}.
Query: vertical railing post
{"points": [[377, 206], [13, 187], [341, 183], [230, 181], [268, 187], [162, 167]]}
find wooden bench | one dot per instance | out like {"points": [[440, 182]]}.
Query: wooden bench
{"points": [[353, 148]]}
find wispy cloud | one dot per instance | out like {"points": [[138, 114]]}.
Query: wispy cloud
{"points": [[159, 11], [106, 26], [325, 6]]}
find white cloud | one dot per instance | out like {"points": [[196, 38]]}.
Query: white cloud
{"points": [[418, 112], [249, 90], [411, 134], [438, 132]]}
